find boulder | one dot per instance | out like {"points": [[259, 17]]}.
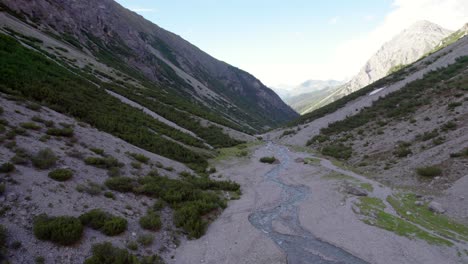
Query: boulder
{"points": [[354, 190], [436, 207]]}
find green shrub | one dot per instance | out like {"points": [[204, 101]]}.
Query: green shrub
{"points": [[136, 165], [63, 230], [453, 105], [1, 110], [44, 159], [151, 221], [120, 184], [7, 167], [30, 125], [61, 174], [3, 244], [21, 157], [132, 245], [109, 195], [2, 188], [449, 126], [33, 106], [139, 157], [103, 163], [105, 222], [318, 138], [145, 239], [429, 171], [114, 226], [90, 188], [97, 151], [106, 253], [39, 260], [402, 150], [337, 151], [269, 160], [60, 132]]}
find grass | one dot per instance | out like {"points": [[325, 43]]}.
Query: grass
{"points": [[238, 151], [422, 216], [367, 186], [312, 161], [61, 174], [373, 211], [337, 176], [429, 171]]}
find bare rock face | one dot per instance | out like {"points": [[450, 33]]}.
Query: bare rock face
{"points": [[405, 48]]}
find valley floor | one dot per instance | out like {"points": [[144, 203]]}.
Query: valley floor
{"points": [[305, 209]]}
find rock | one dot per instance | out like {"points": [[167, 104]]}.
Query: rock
{"points": [[436, 207], [11, 197], [354, 190], [299, 160], [129, 212], [419, 203]]}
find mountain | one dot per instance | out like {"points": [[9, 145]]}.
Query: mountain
{"points": [[147, 53], [403, 49], [399, 127], [300, 97], [308, 86]]}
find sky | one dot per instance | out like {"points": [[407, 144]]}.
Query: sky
{"points": [[284, 43]]}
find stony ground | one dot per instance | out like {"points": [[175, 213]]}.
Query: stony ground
{"points": [[30, 192]]}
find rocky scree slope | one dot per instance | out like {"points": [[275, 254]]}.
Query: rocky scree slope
{"points": [[67, 190], [145, 52], [403, 49]]}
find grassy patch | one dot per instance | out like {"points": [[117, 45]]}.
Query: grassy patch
{"points": [[312, 161], [236, 151], [429, 171], [372, 209], [422, 216], [337, 176], [367, 186]]}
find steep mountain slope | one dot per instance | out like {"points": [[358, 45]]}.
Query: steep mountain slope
{"points": [[152, 56], [405, 48]]}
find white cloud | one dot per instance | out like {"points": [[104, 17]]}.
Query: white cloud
{"points": [[451, 14], [143, 10], [334, 20]]}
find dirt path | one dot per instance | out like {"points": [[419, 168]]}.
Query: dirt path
{"points": [[289, 213]]}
